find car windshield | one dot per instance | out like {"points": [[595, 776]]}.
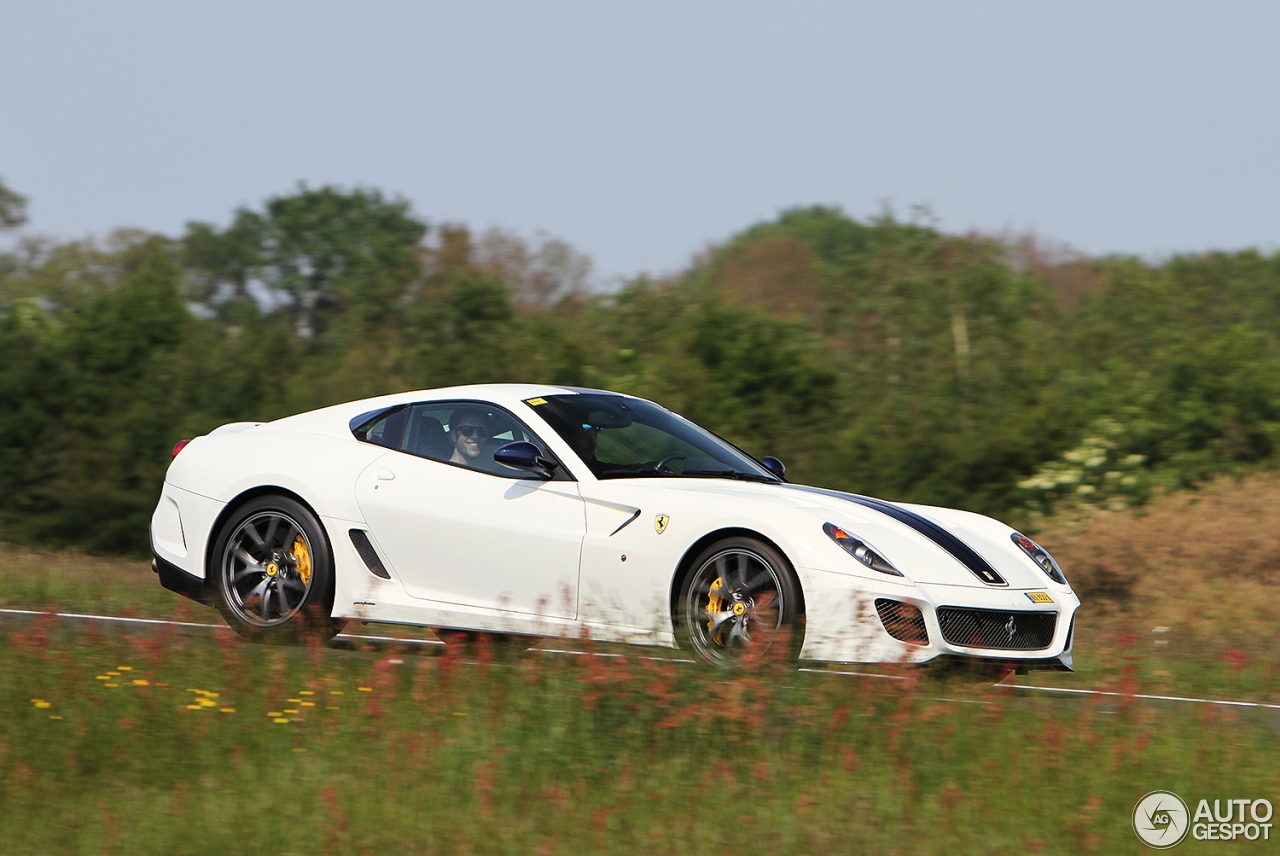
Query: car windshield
{"points": [[620, 438]]}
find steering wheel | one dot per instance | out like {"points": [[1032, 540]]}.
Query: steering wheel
{"points": [[667, 460]]}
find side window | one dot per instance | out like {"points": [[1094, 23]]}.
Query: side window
{"points": [[463, 433], [387, 430]]}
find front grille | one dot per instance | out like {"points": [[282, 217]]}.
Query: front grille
{"points": [[903, 621], [988, 628]]}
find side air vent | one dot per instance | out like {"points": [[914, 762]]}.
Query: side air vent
{"points": [[370, 556], [902, 621]]}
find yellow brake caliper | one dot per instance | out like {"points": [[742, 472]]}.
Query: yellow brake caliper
{"points": [[713, 607], [302, 558]]}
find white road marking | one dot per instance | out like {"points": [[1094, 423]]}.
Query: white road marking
{"points": [[607, 654], [854, 674], [121, 619], [118, 618], [361, 637], [1232, 702]]}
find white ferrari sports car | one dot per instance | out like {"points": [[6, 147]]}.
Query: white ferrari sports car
{"points": [[554, 511]]}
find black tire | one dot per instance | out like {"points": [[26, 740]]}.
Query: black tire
{"points": [[272, 572], [740, 597]]}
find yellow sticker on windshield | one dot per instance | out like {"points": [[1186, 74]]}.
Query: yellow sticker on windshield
{"points": [[534, 402]]}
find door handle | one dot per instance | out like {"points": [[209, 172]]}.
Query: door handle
{"points": [[385, 474]]}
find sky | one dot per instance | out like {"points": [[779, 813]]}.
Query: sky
{"points": [[641, 132]]}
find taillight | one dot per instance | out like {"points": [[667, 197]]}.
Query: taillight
{"points": [[178, 447]]}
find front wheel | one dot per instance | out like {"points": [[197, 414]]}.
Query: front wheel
{"points": [[741, 598], [273, 577]]}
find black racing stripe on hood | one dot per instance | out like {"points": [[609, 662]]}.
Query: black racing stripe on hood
{"points": [[963, 553]]}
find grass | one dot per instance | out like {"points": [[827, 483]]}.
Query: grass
{"points": [[75, 582], [192, 742], [124, 743]]}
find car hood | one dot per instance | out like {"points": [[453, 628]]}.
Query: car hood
{"points": [[930, 545]]}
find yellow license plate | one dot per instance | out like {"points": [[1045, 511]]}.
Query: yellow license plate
{"points": [[1038, 597]]}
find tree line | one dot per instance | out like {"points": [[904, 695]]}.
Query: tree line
{"points": [[880, 356]]}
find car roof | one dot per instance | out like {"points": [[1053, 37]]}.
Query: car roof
{"points": [[336, 419]]}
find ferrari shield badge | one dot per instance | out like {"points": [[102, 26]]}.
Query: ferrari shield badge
{"points": [[660, 523]]}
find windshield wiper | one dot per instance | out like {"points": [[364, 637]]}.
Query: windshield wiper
{"points": [[628, 473], [730, 474]]}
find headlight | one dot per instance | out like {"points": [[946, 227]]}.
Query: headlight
{"points": [[1040, 556], [860, 550]]}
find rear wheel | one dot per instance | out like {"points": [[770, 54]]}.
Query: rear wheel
{"points": [[273, 572], [741, 598]]}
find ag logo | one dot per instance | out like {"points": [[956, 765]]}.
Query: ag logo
{"points": [[1161, 820], [660, 523]]}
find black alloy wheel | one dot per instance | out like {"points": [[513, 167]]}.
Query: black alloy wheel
{"points": [[741, 598], [273, 572]]}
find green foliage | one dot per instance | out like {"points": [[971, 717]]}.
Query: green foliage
{"points": [[325, 251], [98, 379], [1096, 472], [882, 357], [13, 207]]}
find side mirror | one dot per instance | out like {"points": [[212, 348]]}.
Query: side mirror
{"points": [[523, 455], [774, 466]]}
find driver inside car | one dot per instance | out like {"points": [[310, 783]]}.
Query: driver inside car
{"points": [[469, 432]]}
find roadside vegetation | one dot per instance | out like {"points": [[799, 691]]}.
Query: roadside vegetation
{"points": [[1124, 412], [179, 741], [188, 741]]}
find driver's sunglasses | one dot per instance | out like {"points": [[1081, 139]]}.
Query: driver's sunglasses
{"points": [[470, 430]]}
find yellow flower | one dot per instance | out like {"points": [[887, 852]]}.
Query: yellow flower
{"points": [[274, 713], [193, 707], [290, 710], [103, 677], [110, 685], [114, 674], [294, 700], [140, 682], [228, 710], [365, 689], [281, 720], [125, 668], [308, 704], [39, 702], [306, 692], [336, 692]]}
